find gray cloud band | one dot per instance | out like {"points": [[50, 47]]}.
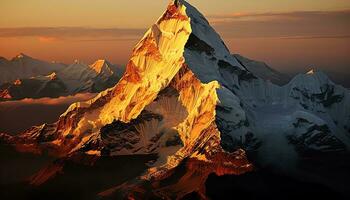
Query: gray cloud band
{"points": [[285, 25]]}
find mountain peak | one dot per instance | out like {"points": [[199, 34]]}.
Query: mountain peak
{"points": [[3, 58], [181, 52], [100, 65], [52, 76], [312, 77], [21, 56], [17, 82], [311, 72], [177, 2], [317, 72]]}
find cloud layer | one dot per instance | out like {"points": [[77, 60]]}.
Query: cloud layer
{"points": [[288, 25], [71, 33], [18, 116]]}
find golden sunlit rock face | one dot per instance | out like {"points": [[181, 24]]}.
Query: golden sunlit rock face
{"points": [[156, 59], [139, 106]]}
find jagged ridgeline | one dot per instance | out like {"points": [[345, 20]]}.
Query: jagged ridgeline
{"points": [[185, 98], [165, 103]]}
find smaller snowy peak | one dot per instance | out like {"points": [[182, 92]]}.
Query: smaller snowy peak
{"points": [[52, 76], [17, 82], [76, 61], [21, 56], [102, 66], [312, 77], [311, 72], [98, 65], [316, 72]]}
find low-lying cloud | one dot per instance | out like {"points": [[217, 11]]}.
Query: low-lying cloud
{"points": [[18, 116]]}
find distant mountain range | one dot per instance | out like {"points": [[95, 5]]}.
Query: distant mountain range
{"points": [[23, 66], [27, 77]]}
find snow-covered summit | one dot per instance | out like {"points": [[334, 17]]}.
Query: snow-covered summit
{"points": [[21, 56], [102, 66], [81, 77]]}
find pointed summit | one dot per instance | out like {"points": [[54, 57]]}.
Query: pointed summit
{"points": [[21, 56], [319, 74], [180, 60], [102, 66], [311, 72], [52, 76]]}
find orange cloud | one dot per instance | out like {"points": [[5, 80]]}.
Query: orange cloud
{"points": [[46, 39]]}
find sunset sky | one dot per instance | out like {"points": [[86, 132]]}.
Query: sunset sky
{"points": [[289, 35]]}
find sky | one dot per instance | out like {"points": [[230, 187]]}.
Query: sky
{"points": [[290, 35]]}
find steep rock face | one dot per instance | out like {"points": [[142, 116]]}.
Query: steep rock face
{"points": [[157, 64], [160, 106]]}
